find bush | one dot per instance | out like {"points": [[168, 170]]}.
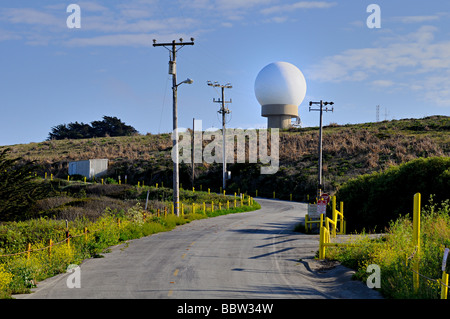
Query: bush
{"points": [[373, 200], [395, 254]]}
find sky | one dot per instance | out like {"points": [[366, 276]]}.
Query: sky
{"points": [[52, 73]]}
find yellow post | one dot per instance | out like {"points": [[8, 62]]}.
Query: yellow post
{"points": [[234, 203], [85, 234], [182, 209], [50, 244], [193, 189], [68, 177], [228, 204], [156, 185], [306, 223], [85, 179], [102, 181], [416, 239], [220, 206], [273, 194], [139, 184], [28, 250], [248, 201], [212, 206], [322, 239], [223, 192], [172, 208], [444, 285], [204, 208], [209, 191], [193, 208]]}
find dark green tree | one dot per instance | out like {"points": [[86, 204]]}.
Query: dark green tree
{"points": [[109, 126], [18, 188]]}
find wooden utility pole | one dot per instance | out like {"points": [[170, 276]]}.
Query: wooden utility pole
{"points": [[173, 48], [321, 104]]}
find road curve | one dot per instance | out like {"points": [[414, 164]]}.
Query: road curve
{"points": [[247, 255]]}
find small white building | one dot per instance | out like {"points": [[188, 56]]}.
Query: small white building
{"points": [[89, 168]]}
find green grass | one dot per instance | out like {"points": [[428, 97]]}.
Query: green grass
{"points": [[394, 253]]}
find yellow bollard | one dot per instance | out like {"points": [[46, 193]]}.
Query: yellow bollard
{"points": [[193, 189], [416, 239], [212, 206], [102, 181], [220, 206], [46, 175], [85, 234], [50, 244], [274, 195], [139, 184], [68, 178], [156, 185], [28, 250], [234, 203], [193, 208], [204, 208], [182, 209], [444, 284], [209, 191], [228, 204]]}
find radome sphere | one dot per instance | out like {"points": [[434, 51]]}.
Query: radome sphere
{"points": [[280, 83]]}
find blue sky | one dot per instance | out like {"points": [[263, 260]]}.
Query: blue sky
{"points": [[50, 74]]}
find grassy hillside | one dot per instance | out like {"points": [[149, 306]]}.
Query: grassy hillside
{"points": [[348, 151]]}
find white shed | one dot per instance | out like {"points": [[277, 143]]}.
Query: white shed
{"points": [[89, 168]]}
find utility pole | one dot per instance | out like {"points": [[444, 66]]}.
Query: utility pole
{"points": [[321, 104], [224, 111], [172, 47]]}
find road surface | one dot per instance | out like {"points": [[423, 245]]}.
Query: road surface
{"points": [[247, 255]]}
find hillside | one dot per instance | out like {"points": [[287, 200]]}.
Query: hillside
{"points": [[348, 151]]}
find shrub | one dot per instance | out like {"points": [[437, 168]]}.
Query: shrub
{"points": [[373, 200]]}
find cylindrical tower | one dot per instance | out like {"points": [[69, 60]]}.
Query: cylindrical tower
{"points": [[280, 88]]}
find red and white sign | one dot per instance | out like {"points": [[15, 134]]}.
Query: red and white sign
{"points": [[325, 197]]}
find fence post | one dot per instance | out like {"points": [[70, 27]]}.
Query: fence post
{"points": [[28, 250], [50, 244], [416, 239]]}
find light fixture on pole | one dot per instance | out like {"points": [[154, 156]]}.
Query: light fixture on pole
{"points": [[321, 104], [172, 47]]}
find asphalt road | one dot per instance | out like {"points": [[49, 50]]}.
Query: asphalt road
{"points": [[247, 255]]}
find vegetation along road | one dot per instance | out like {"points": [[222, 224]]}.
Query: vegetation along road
{"points": [[245, 255]]}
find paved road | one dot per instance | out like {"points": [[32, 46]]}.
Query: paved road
{"points": [[247, 255]]}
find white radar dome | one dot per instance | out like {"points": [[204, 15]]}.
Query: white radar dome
{"points": [[280, 83]]}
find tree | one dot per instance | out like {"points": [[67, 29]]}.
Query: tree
{"points": [[18, 188], [110, 126]]}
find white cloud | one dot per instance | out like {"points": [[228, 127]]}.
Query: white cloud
{"points": [[417, 62], [298, 5]]}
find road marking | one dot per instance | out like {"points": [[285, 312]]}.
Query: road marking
{"points": [[175, 273], [170, 293], [192, 243]]}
